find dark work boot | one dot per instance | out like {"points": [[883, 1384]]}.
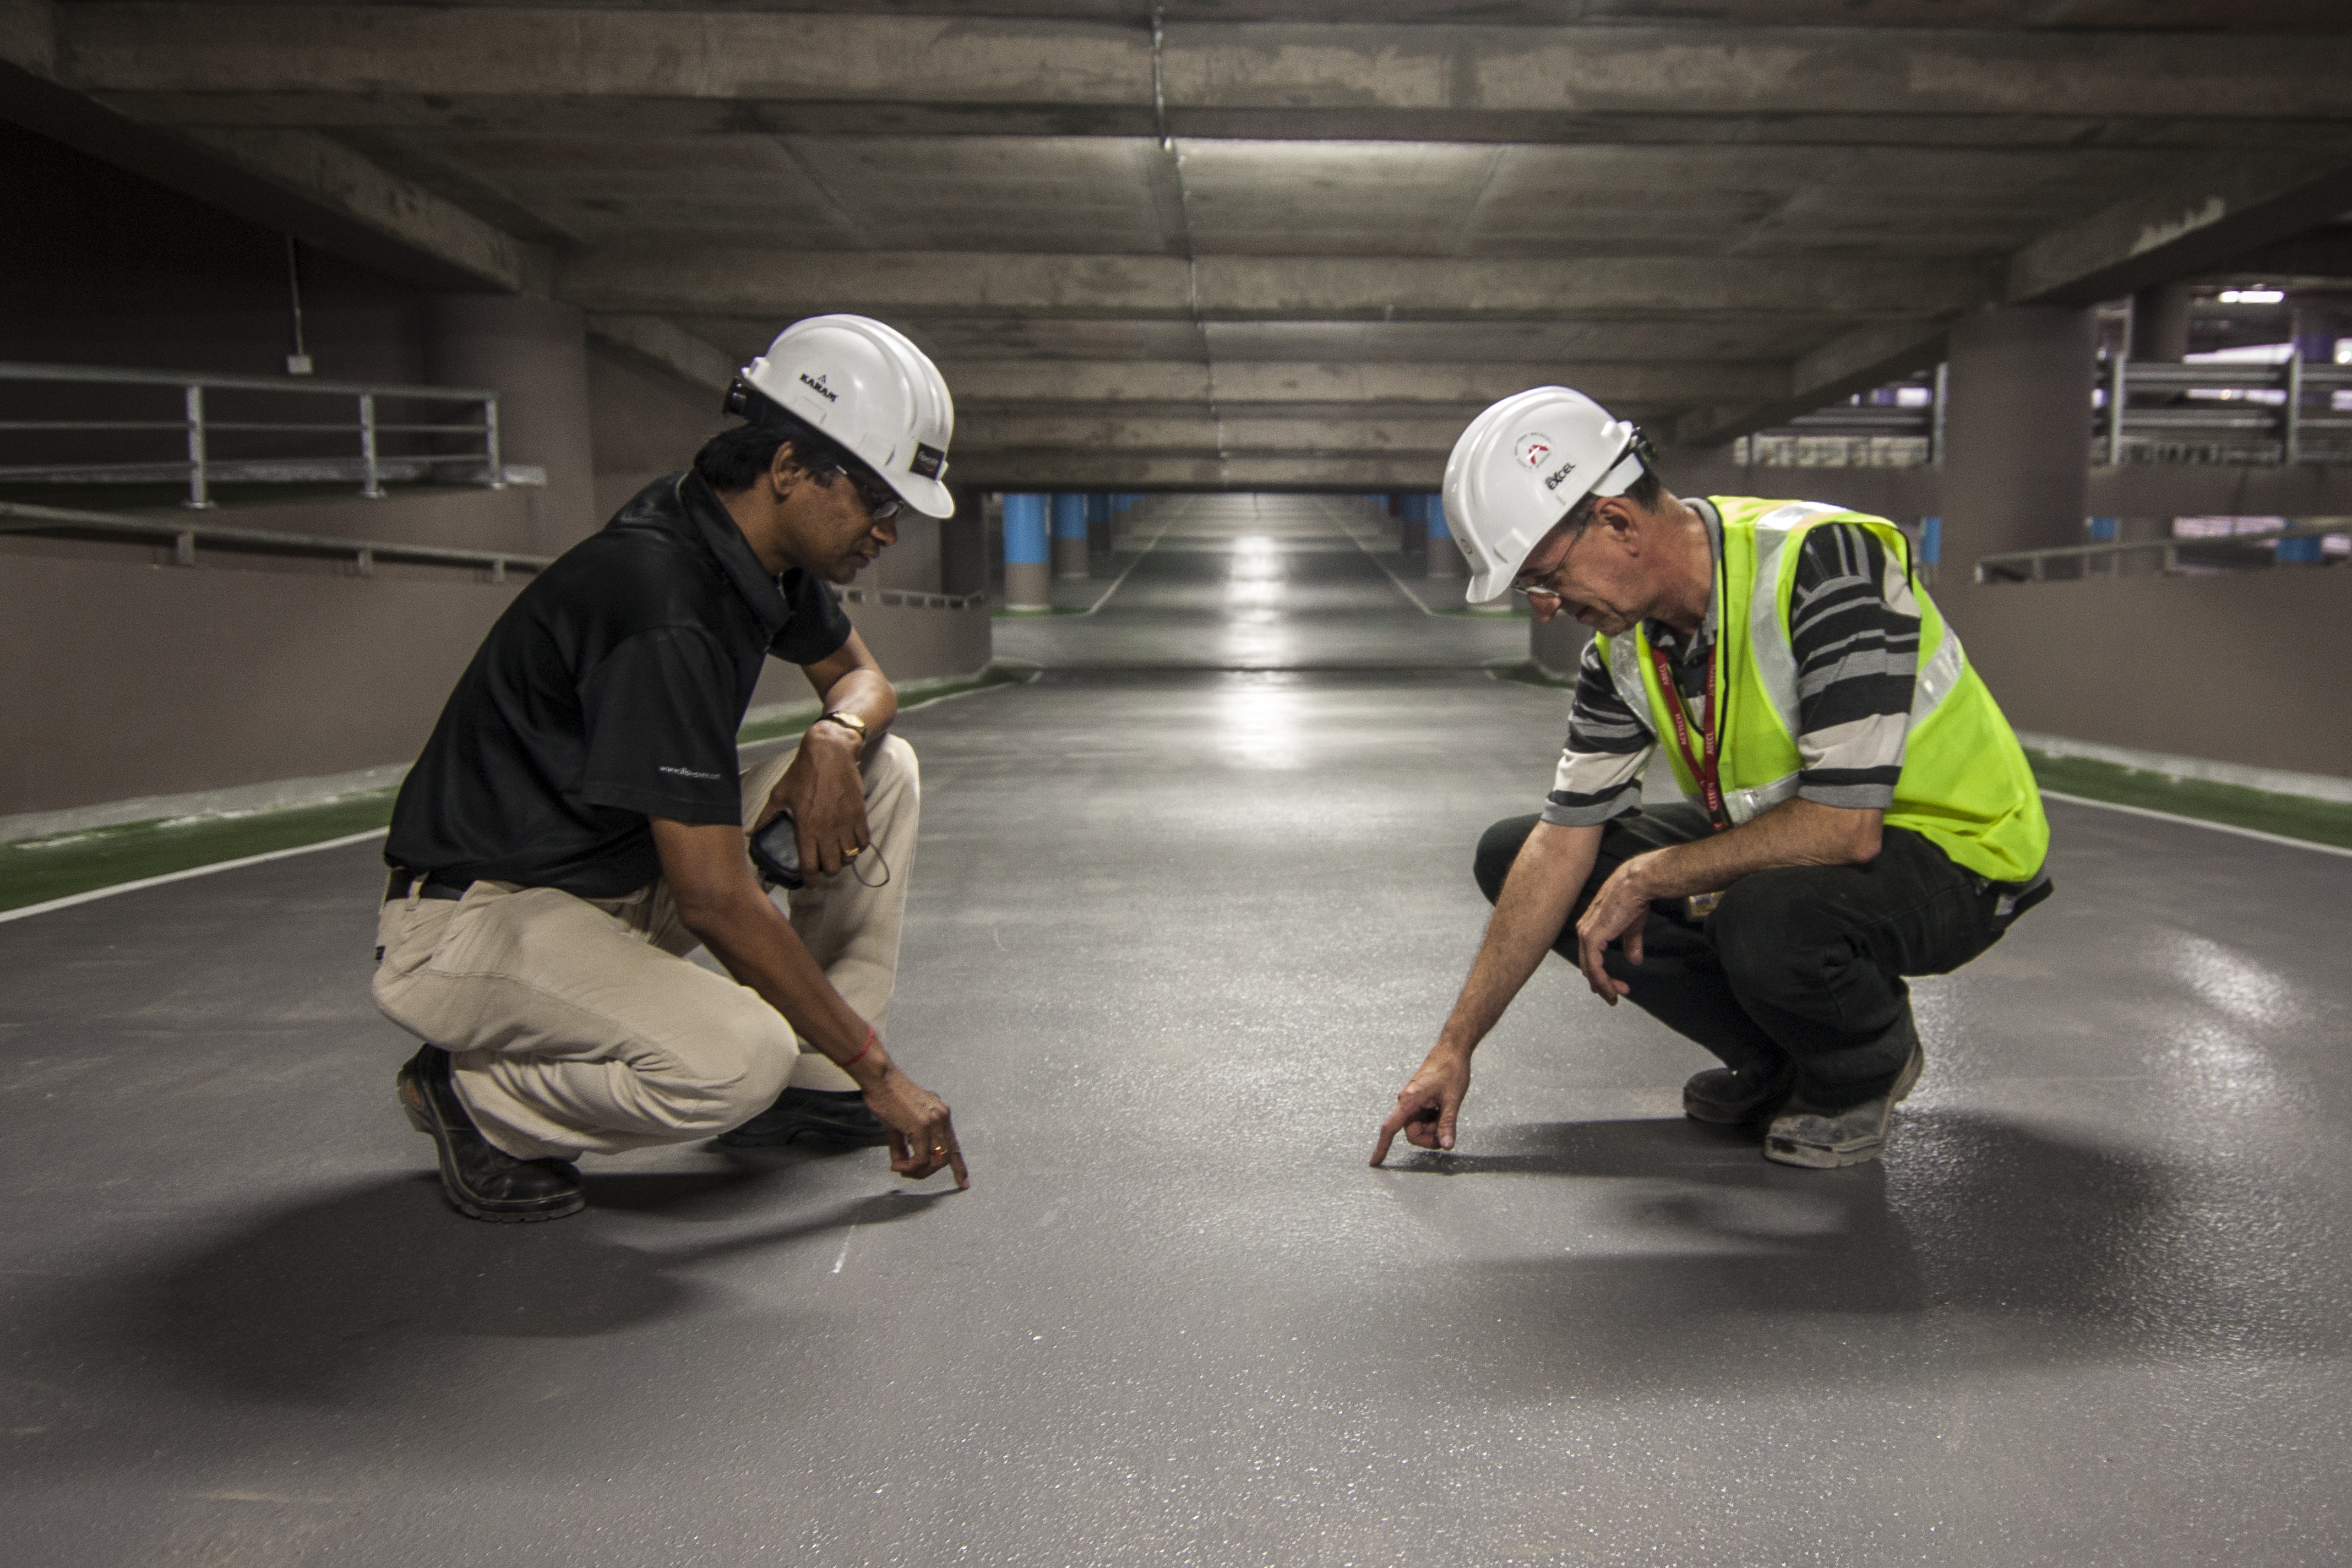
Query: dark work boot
{"points": [[831, 1116], [482, 1181], [1735, 1098]]}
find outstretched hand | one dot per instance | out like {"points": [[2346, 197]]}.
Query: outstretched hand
{"points": [[1427, 1105], [923, 1135]]}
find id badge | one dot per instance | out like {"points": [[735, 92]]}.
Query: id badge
{"points": [[1702, 905]]}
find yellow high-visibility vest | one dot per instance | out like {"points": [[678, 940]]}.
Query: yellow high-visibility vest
{"points": [[1965, 785]]}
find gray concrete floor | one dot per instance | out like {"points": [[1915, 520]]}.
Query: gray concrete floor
{"points": [[1178, 928]]}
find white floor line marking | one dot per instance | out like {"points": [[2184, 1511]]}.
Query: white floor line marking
{"points": [[1410, 596], [2197, 822], [71, 899], [1131, 565], [843, 1256]]}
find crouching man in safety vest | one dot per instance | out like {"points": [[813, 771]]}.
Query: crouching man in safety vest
{"points": [[1857, 808], [578, 823]]}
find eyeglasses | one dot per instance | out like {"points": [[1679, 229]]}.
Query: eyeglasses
{"points": [[881, 503], [1538, 584]]}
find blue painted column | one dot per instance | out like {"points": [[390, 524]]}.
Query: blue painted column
{"points": [[1028, 576], [1412, 518], [1069, 535], [1445, 557]]}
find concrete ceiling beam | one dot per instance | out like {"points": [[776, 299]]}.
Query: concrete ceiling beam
{"points": [[668, 345], [1102, 72], [2213, 212], [769, 282], [1012, 470], [1089, 431], [297, 182], [1011, 382]]}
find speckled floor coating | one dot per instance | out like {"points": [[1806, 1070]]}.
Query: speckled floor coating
{"points": [[1176, 936]]}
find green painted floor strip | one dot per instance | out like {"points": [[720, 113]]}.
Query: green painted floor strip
{"points": [[35, 871]]}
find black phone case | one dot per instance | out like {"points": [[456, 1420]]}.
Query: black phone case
{"points": [[777, 852]]}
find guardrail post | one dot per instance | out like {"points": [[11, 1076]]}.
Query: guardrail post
{"points": [[495, 473], [499, 570], [184, 548], [370, 484], [366, 562], [1936, 413], [2118, 392], [2291, 439], [199, 479]]}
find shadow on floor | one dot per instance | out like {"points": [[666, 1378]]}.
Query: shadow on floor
{"points": [[1981, 1243], [335, 1300]]}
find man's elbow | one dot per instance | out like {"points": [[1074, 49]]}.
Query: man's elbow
{"points": [[707, 910], [1864, 838]]}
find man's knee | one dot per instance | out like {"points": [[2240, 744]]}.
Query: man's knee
{"points": [[736, 1070], [1498, 846]]}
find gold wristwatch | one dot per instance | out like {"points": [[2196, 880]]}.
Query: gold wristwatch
{"points": [[847, 721]]}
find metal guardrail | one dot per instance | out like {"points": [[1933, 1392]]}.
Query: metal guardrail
{"points": [[2033, 565], [198, 424], [913, 599], [17, 518], [2291, 423]]}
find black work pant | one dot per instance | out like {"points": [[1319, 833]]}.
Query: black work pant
{"points": [[1802, 964]]}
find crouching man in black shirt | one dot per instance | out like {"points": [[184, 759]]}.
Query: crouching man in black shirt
{"points": [[577, 824]]}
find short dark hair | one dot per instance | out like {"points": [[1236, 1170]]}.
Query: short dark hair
{"points": [[734, 459], [1644, 493]]}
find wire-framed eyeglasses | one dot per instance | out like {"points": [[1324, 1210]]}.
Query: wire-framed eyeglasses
{"points": [[882, 503]]}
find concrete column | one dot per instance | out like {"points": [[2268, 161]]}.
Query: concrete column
{"points": [[1445, 557], [963, 544], [1098, 525], [1028, 574], [2017, 434], [534, 354], [2159, 322], [1070, 536], [1413, 526]]}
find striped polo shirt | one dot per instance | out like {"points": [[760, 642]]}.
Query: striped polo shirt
{"points": [[1854, 625]]}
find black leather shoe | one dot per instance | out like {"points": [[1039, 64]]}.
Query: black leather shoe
{"points": [[482, 1181], [1727, 1098], [833, 1116]]}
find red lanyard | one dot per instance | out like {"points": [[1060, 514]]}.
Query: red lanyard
{"points": [[1709, 774]]}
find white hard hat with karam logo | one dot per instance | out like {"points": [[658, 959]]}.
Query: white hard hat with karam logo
{"points": [[1519, 469], [865, 386]]}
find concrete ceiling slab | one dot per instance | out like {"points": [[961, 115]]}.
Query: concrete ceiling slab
{"points": [[1341, 226]]}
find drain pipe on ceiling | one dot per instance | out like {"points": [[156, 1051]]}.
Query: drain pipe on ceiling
{"points": [[298, 361]]}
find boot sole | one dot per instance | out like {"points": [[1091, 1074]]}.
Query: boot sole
{"points": [[413, 1103], [1856, 1151]]}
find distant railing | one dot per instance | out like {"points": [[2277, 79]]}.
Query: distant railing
{"points": [[913, 599], [2034, 566], [2283, 412], [477, 462], [184, 537]]}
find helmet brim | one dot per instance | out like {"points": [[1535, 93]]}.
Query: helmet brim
{"points": [[928, 497]]}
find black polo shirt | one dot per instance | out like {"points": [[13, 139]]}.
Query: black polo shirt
{"points": [[608, 694]]}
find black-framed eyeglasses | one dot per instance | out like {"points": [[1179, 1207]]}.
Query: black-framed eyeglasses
{"points": [[882, 503]]}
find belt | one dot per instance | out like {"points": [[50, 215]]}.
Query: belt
{"points": [[436, 885]]}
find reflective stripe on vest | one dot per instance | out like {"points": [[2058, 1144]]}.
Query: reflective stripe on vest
{"points": [[1968, 790]]}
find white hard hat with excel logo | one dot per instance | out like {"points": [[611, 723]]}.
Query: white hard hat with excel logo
{"points": [[1521, 467]]}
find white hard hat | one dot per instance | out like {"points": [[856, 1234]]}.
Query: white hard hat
{"points": [[870, 390], [1519, 469]]}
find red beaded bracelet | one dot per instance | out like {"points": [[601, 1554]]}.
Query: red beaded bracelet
{"points": [[861, 1050]]}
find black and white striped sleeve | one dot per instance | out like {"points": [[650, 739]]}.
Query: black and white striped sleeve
{"points": [[1855, 626], [1608, 750]]}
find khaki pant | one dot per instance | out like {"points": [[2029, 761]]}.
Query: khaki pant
{"points": [[577, 1026]]}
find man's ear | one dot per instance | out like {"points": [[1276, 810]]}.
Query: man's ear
{"points": [[785, 470], [1623, 520]]}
